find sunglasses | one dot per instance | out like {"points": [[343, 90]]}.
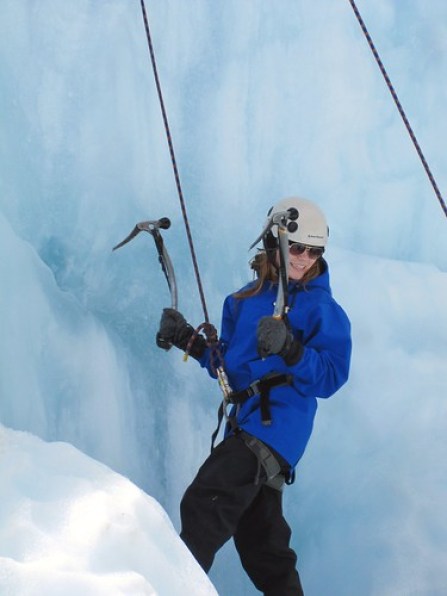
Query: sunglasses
{"points": [[315, 252]]}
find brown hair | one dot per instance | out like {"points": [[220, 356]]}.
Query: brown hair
{"points": [[266, 271]]}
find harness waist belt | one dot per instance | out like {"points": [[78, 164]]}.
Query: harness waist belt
{"points": [[259, 386]]}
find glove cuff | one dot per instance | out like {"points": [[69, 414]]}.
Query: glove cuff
{"points": [[292, 351], [198, 346]]}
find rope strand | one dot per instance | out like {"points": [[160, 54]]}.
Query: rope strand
{"points": [[399, 106], [174, 163]]}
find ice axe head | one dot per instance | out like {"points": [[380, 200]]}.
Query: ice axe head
{"points": [[146, 226]]}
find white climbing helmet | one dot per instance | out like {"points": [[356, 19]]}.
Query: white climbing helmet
{"points": [[312, 227]]}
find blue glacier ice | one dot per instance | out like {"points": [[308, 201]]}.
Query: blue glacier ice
{"points": [[264, 100]]}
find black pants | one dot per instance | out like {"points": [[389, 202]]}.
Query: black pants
{"points": [[224, 501]]}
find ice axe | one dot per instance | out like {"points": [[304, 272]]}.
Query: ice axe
{"points": [[153, 227]]}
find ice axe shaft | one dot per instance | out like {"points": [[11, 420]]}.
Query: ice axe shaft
{"points": [[285, 221], [282, 297]]}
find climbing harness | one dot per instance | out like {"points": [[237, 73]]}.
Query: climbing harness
{"points": [[267, 460], [259, 387], [399, 106], [262, 388]]}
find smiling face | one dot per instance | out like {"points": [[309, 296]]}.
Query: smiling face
{"points": [[299, 264]]}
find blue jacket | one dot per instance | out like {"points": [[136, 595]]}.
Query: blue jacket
{"points": [[324, 330]]}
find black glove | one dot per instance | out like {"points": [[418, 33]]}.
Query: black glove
{"points": [[274, 337], [175, 331]]}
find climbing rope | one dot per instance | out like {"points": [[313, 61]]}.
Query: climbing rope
{"points": [[399, 106], [174, 163], [217, 361]]}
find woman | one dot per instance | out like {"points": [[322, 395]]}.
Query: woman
{"points": [[276, 367]]}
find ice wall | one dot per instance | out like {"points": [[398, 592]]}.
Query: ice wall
{"points": [[264, 100]]}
